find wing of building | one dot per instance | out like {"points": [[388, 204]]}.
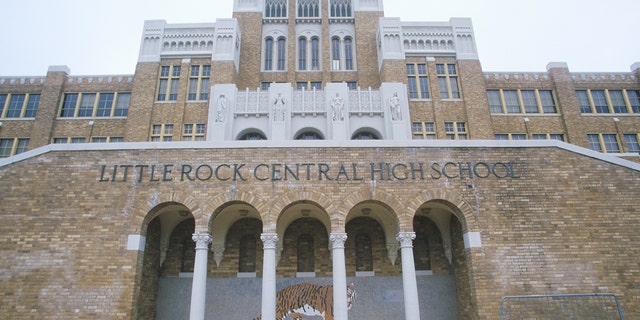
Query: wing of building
{"points": [[317, 141]]}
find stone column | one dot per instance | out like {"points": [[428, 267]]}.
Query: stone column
{"points": [[409, 285], [269, 241], [199, 285], [339, 276]]}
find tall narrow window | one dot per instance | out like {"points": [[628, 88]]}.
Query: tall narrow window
{"points": [[315, 54], [340, 8], [302, 53], [306, 259], [168, 84], [247, 255], [348, 54], [268, 54], [364, 253], [275, 9], [281, 53], [417, 81], [448, 81], [335, 54]]}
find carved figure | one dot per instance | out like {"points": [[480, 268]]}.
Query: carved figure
{"points": [[394, 104], [221, 107], [308, 299], [337, 106], [279, 107]]}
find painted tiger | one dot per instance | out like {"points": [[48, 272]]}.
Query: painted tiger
{"points": [[308, 299]]}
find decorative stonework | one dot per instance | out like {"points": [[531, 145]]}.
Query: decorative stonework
{"points": [[406, 239], [269, 240], [338, 240], [202, 240]]}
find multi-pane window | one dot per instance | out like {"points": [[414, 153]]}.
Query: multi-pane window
{"points": [[603, 142], [275, 9], [302, 53], [352, 85], [59, 140], [106, 139], [335, 53], [417, 81], [19, 105], [103, 104], [631, 140], [342, 54], [348, 53], [547, 136], [608, 101], [455, 130], [423, 130], [268, 54], [309, 85], [521, 101], [279, 56], [308, 51], [315, 54], [199, 82], [448, 81], [281, 53], [510, 136], [168, 85], [13, 146], [193, 132], [162, 132], [340, 9], [308, 9]]}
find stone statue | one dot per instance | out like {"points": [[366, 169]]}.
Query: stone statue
{"points": [[279, 107], [394, 104], [222, 106], [337, 106]]}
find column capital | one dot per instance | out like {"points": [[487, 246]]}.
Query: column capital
{"points": [[270, 240], [406, 239], [337, 240], [202, 240]]}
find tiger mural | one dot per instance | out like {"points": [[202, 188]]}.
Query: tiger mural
{"points": [[308, 299]]}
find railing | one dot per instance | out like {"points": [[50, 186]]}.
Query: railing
{"points": [[596, 306]]}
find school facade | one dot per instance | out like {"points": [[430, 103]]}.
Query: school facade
{"points": [[315, 141]]}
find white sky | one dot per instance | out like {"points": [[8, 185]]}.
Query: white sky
{"points": [[99, 37]]}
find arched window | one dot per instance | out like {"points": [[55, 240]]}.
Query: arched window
{"points": [[188, 255], [340, 8], [253, 136], [247, 256], [364, 253], [268, 54], [281, 53], [305, 254], [302, 53], [348, 53], [275, 9], [421, 254], [335, 53], [308, 9], [307, 135], [365, 135], [315, 54]]}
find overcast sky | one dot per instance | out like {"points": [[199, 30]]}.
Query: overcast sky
{"points": [[98, 37]]}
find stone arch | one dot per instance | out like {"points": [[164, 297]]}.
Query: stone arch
{"points": [[459, 208], [283, 202], [216, 204], [147, 211], [393, 204]]}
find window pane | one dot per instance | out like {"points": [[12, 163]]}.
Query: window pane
{"points": [[86, 105], [594, 142], [173, 94], [195, 71], [440, 69], [348, 54], [6, 146], [610, 143], [583, 100], [122, 105], [502, 136], [617, 100], [424, 88], [546, 99], [444, 91], [23, 145], [99, 139], [15, 106], [511, 100], [539, 136], [281, 54], [105, 102], [3, 100], [529, 100], [193, 89], [268, 54], [176, 71], [634, 98], [495, 105], [599, 101], [69, 105], [302, 54], [315, 54], [204, 89], [413, 89], [422, 68], [632, 142], [162, 90], [455, 92], [518, 136], [32, 106]]}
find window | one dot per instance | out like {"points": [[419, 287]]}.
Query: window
{"points": [[268, 54], [417, 81], [253, 136], [340, 9], [365, 135], [168, 85], [305, 257], [199, 82], [510, 136], [89, 105], [521, 101], [247, 256], [603, 142], [348, 53], [608, 101], [423, 130], [309, 136], [364, 253], [547, 136], [455, 130], [632, 142], [19, 105], [12, 146], [302, 53], [309, 85], [281, 53], [335, 53], [193, 132], [352, 85], [275, 9], [315, 54], [448, 81], [162, 132], [308, 9]]}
